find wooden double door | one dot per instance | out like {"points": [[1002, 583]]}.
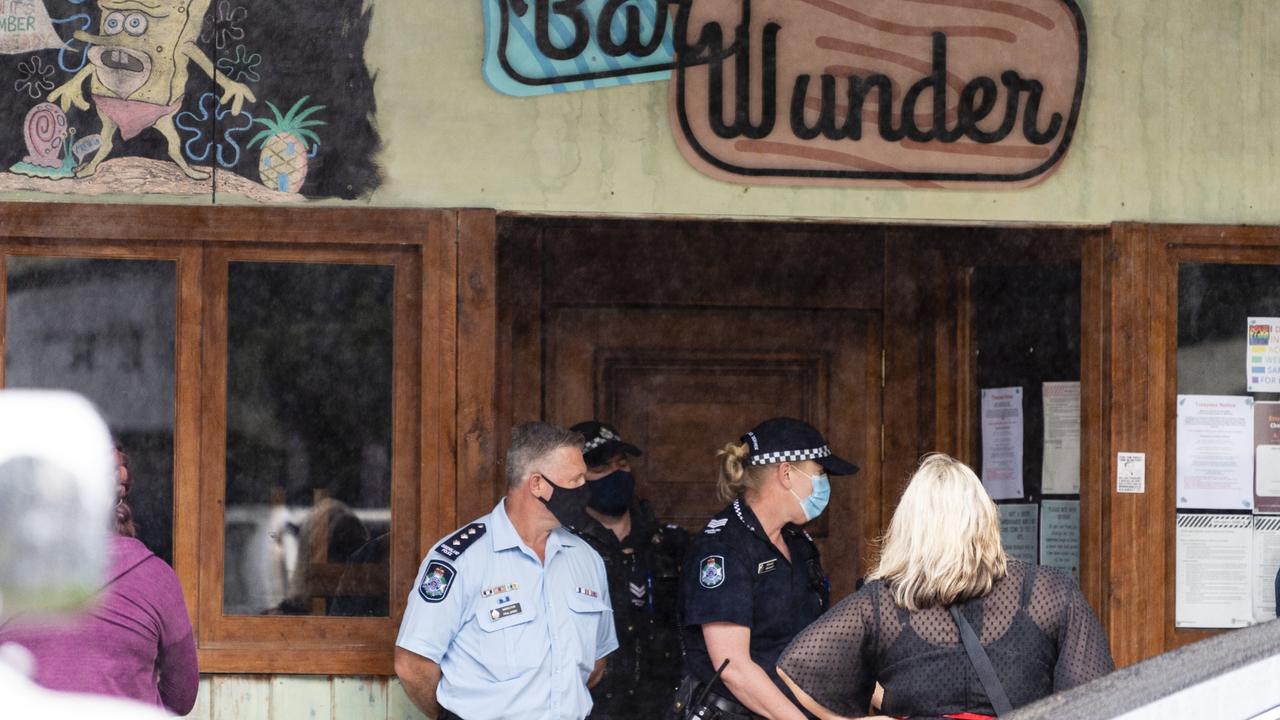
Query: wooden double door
{"points": [[686, 336]]}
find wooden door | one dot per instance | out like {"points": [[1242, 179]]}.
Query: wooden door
{"points": [[687, 334]]}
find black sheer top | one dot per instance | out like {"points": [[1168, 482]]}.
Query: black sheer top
{"points": [[1035, 625]]}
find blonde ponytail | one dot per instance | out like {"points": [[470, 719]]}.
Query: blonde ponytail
{"points": [[735, 476]]}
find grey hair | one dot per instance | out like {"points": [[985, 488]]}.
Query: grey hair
{"points": [[532, 441]]}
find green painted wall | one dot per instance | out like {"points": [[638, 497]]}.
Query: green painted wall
{"points": [[1178, 126]]}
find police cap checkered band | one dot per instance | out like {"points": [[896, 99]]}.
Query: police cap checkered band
{"points": [[604, 436], [603, 441], [790, 456], [784, 439]]}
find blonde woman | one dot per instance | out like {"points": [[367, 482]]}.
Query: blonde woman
{"points": [[752, 578], [943, 550]]}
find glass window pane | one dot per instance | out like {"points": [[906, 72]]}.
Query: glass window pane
{"points": [[105, 329], [308, 490], [1215, 302]]}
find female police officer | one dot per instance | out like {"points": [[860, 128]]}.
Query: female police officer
{"points": [[752, 579]]}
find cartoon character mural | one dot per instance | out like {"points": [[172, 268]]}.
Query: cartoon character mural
{"points": [[137, 73], [91, 77]]}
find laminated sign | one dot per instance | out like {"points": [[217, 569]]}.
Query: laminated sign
{"points": [[878, 92]]}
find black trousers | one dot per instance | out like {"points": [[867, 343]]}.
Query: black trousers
{"points": [[446, 715]]}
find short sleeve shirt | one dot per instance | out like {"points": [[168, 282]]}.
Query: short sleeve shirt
{"points": [[515, 638], [734, 574]]}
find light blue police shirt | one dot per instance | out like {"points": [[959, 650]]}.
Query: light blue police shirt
{"points": [[515, 638]]}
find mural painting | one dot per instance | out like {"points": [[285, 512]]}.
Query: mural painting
{"points": [[269, 100]]}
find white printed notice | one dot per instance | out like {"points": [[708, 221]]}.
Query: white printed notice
{"points": [[1018, 526], [1060, 473], [1214, 571], [1002, 442], [1263, 360], [1215, 452], [1060, 535], [1266, 561]]}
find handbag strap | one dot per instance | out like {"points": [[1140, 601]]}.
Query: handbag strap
{"points": [[982, 664]]}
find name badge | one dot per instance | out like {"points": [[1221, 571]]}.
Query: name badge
{"points": [[505, 611], [767, 566]]}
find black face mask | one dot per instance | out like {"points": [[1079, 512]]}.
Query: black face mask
{"points": [[612, 493], [569, 505]]}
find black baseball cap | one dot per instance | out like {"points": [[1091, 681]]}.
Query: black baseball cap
{"points": [[603, 442], [784, 439]]}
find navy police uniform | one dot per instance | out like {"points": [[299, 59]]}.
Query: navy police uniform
{"points": [[734, 574], [644, 583], [515, 637]]}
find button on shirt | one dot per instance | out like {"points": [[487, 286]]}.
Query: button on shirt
{"points": [[515, 638], [734, 574]]}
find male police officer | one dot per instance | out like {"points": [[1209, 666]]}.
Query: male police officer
{"points": [[513, 610], [642, 559]]}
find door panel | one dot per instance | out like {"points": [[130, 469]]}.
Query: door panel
{"points": [[682, 382]]}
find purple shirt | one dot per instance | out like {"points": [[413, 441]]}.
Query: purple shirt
{"points": [[136, 642]]}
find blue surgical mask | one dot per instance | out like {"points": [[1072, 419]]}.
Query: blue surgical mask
{"points": [[818, 498]]}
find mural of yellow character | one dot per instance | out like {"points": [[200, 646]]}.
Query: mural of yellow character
{"points": [[138, 68]]}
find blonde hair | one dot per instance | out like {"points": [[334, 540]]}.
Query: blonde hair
{"points": [[943, 543], [735, 476]]}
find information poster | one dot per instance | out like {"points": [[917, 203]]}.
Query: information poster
{"points": [[1214, 573], [1215, 452], [1018, 530], [1266, 457], [1263, 360], [1266, 561], [1002, 423], [1060, 535], [1060, 473]]}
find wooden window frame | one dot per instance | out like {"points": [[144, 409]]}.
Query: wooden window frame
{"points": [[423, 245], [1141, 301]]}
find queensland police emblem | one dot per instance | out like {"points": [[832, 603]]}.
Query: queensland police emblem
{"points": [[711, 571], [436, 581]]}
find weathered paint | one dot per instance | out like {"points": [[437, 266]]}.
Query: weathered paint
{"points": [[1178, 124], [302, 697]]}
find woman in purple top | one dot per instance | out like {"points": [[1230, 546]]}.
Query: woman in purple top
{"points": [[135, 642]]}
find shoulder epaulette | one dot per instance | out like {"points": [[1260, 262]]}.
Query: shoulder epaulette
{"points": [[454, 545]]}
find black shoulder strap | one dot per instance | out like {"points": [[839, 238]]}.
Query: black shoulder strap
{"points": [[982, 664]]}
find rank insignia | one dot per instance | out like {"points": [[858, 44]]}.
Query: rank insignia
{"points": [[436, 581], [711, 572]]}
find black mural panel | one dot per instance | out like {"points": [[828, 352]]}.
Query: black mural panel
{"points": [[271, 99]]}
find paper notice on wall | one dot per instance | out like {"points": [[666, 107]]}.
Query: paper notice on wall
{"points": [[1214, 571], [1060, 472], [1131, 472], [1002, 442], [1215, 452], [1266, 562], [25, 27], [1266, 457], [1060, 535], [1018, 530], [1262, 363]]}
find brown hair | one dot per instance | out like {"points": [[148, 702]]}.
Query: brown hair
{"points": [[124, 513], [735, 477]]}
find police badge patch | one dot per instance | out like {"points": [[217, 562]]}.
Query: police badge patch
{"points": [[711, 572], [436, 581]]}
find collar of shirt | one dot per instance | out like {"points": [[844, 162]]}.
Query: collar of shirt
{"points": [[748, 518], [505, 536]]}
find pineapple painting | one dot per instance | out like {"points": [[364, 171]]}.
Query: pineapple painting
{"points": [[286, 142]]}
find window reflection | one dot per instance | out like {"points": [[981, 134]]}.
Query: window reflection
{"points": [[308, 488], [105, 329]]}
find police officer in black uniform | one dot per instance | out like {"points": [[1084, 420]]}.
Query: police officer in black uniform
{"points": [[643, 559], [752, 577]]}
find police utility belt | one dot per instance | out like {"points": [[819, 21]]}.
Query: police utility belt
{"points": [[696, 701]]}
